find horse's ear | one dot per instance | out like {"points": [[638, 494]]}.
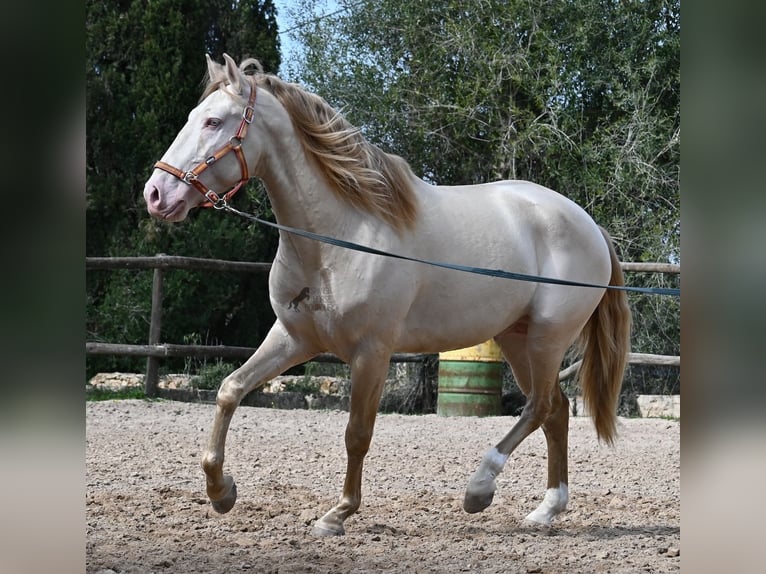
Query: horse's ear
{"points": [[214, 69], [233, 74]]}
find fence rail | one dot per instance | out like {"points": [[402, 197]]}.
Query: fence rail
{"points": [[155, 350], [221, 351]]}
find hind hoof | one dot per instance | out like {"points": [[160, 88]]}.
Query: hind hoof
{"points": [[473, 503], [530, 524]]}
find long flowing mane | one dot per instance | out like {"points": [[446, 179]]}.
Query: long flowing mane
{"points": [[358, 172]]}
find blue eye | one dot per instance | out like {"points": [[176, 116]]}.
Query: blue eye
{"points": [[213, 122]]}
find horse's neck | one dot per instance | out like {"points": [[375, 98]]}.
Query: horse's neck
{"points": [[299, 195]]}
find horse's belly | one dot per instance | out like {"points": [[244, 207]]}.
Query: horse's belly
{"points": [[462, 314]]}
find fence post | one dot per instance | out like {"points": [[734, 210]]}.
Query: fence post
{"points": [[429, 382], [155, 329]]}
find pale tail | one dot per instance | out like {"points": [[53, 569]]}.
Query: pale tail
{"points": [[605, 343]]}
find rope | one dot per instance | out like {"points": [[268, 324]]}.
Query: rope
{"points": [[467, 269]]}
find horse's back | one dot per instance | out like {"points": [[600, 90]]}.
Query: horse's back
{"points": [[514, 218]]}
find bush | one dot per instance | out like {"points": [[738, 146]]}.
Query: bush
{"points": [[210, 376]]}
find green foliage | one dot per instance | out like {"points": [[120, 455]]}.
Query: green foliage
{"points": [[144, 67], [307, 384], [210, 375], [583, 97]]}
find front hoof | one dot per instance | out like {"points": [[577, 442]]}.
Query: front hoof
{"points": [[476, 502], [226, 502], [328, 527]]}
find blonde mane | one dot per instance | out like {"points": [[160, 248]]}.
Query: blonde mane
{"points": [[358, 172]]}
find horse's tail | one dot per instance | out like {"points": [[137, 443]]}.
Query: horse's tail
{"points": [[605, 343]]}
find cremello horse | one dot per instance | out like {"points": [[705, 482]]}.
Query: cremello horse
{"points": [[323, 176]]}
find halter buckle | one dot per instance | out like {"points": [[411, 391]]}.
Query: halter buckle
{"points": [[248, 113], [189, 177], [215, 200]]}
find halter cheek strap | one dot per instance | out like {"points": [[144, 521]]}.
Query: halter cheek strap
{"points": [[234, 144]]}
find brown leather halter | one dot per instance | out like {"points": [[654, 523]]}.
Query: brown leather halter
{"points": [[191, 177]]}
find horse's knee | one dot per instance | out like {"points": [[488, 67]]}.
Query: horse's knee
{"points": [[229, 394]]}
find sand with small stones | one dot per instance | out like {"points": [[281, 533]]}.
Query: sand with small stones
{"points": [[146, 509]]}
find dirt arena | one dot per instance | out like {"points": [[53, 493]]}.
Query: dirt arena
{"points": [[146, 509]]}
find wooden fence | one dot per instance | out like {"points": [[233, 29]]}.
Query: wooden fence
{"points": [[155, 350]]}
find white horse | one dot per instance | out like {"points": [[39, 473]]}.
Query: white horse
{"points": [[321, 175]]}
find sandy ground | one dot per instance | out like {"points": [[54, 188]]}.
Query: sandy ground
{"points": [[146, 509]]}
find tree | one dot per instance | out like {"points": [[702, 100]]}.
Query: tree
{"points": [[144, 67], [581, 96]]}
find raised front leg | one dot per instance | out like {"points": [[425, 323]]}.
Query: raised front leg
{"points": [[368, 375], [278, 352]]}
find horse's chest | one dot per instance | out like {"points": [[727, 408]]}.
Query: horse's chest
{"points": [[297, 292]]}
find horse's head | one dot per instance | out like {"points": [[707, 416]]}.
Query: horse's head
{"points": [[206, 156]]}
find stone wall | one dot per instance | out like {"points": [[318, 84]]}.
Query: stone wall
{"points": [[333, 392]]}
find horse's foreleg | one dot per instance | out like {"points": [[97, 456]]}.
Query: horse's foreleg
{"points": [[368, 375], [278, 352]]}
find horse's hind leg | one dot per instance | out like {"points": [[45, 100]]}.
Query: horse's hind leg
{"points": [[556, 429], [368, 375], [535, 364], [278, 352]]}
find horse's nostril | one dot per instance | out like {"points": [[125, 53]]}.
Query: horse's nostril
{"points": [[154, 196]]}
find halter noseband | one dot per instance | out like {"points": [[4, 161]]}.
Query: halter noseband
{"points": [[234, 144]]}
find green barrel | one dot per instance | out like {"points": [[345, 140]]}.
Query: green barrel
{"points": [[471, 382]]}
